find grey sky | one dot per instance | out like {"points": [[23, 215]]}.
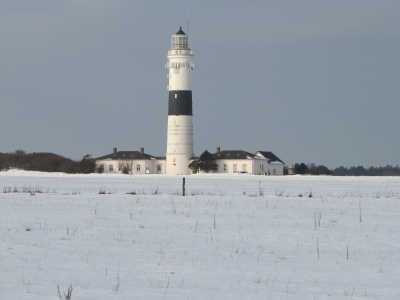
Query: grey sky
{"points": [[312, 81]]}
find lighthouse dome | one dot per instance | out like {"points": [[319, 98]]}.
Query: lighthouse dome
{"points": [[180, 31], [180, 40]]}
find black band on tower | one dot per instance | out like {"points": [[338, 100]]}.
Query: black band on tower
{"points": [[180, 103]]}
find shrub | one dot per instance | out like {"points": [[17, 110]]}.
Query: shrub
{"points": [[45, 162]]}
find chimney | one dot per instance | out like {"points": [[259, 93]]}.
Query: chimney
{"points": [[141, 150], [114, 150], [218, 149]]}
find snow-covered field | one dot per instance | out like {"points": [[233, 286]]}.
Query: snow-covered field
{"points": [[231, 237]]}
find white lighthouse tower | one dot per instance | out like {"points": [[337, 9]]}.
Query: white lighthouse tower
{"points": [[180, 114]]}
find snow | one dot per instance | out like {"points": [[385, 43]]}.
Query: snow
{"points": [[233, 236]]}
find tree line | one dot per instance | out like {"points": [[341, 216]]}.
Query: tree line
{"points": [[313, 169], [50, 162], [45, 162], [388, 170]]}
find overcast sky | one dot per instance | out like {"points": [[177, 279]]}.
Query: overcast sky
{"points": [[311, 81]]}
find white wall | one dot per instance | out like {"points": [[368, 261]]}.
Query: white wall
{"points": [[144, 164], [262, 166], [180, 128], [179, 144], [230, 165], [180, 67], [253, 166], [180, 135]]}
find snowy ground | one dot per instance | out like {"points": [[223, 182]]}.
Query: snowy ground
{"points": [[231, 237]]}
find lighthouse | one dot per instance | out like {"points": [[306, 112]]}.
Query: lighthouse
{"points": [[180, 113]]}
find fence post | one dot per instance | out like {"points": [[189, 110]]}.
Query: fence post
{"points": [[183, 187]]}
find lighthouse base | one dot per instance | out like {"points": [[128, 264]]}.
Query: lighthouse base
{"points": [[179, 144], [177, 164]]}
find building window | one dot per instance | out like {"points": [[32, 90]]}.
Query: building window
{"points": [[244, 168], [225, 167], [274, 172], [147, 170], [137, 167], [176, 96], [158, 169], [235, 168], [110, 168]]}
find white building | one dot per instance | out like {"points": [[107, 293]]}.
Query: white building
{"points": [[130, 162], [180, 132], [228, 161], [239, 161]]}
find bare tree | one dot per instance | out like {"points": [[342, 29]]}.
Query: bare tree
{"points": [[126, 166], [100, 168], [19, 151]]}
